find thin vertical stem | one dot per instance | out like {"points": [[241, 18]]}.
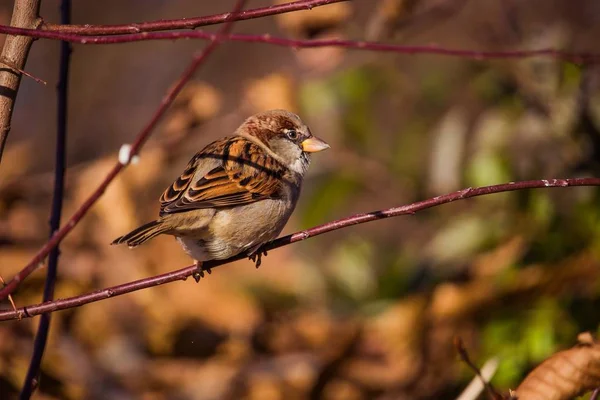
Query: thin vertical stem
{"points": [[32, 377]]}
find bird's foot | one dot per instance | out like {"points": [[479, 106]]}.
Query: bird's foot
{"points": [[256, 256], [199, 273]]}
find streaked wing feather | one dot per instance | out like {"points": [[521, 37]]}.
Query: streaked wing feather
{"points": [[246, 174], [178, 188]]}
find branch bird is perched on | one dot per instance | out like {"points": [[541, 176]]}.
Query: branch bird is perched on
{"points": [[238, 192]]}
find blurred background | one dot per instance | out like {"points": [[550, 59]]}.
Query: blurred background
{"points": [[367, 312]]}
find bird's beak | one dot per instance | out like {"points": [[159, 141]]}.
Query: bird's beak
{"points": [[313, 144]]}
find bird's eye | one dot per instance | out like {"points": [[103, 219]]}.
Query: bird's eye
{"points": [[292, 134]]}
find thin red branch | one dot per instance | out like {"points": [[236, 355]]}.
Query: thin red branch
{"points": [[572, 56], [187, 23], [141, 138], [184, 273]]}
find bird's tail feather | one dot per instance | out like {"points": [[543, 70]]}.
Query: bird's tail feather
{"points": [[143, 233]]}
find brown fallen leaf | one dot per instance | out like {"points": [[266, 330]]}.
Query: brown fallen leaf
{"points": [[565, 375]]}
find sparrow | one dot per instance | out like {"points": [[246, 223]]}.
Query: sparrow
{"points": [[237, 193]]}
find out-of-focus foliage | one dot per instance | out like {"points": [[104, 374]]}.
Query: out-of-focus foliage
{"points": [[365, 312]]}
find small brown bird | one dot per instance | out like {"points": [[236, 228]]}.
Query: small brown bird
{"points": [[238, 192]]}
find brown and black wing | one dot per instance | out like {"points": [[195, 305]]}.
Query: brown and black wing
{"points": [[244, 174]]}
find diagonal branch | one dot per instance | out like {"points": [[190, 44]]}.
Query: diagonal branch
{"points": [[573, 56], [187, 23], [12, 60], [139, 141], [41, 337], [184, 273]]}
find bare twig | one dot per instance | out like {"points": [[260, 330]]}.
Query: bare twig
{"points": [[41, 337], [184, 273], [139, 141], [464, 356], [21, 71], [14, 54], [10, 299], [188, 23], [473, 390], [577, 57]]}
